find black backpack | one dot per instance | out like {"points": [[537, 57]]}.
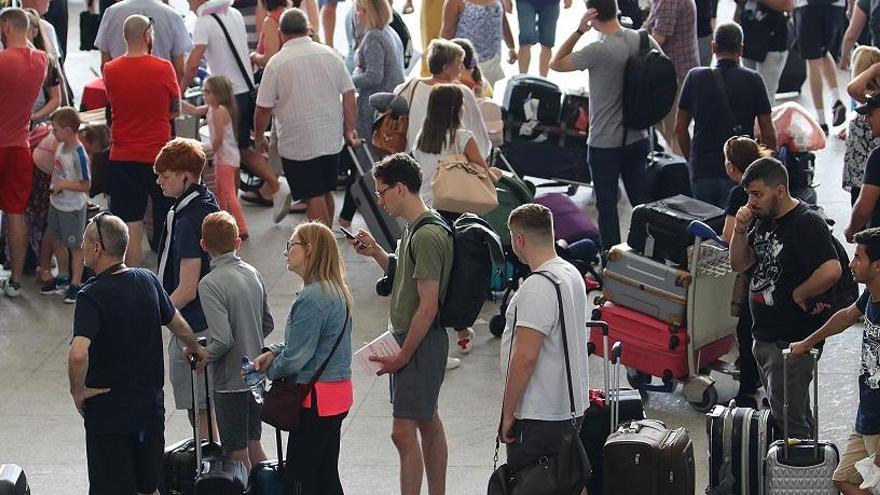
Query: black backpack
{"points": [[649, 86], [476, 248], [845, 291]]}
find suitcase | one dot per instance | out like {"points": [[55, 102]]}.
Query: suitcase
{"points": [[522, 87], [385, 229], [548, 159], [794, 74], [647, 458], [267, 477], [576, 114], [738, 441], [667, 176], [654, 346], [512, 192], [800, 466], [801, 167], [569, 221], [13, 480], [599, 418], [659, 229], [645, 285]]}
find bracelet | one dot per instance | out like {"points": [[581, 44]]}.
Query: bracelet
{"points": [[580, 32]]}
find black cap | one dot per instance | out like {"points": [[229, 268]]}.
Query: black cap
{"points": [[871, 102]]}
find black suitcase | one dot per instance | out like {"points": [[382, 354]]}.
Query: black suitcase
{"points": [[801, 167], [548, 160], [659, 230], [599, 419], [667, 175], [13, 480], [522, 87], [795, 71], [385, 229], [267, 477], [734, 470]]}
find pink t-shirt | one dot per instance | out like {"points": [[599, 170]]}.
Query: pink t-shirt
{"points": [[22, 71], [275, 14], [333, 397]]}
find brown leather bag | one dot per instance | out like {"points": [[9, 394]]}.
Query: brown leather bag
{"points": [[282, 403], [389, 132]]}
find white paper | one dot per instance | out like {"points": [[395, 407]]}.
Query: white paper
{"points": [[383, 345], [870, 474]]}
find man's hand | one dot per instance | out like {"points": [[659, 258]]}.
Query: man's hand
{"points": [[844, 61], [364, 243], [505, 429], [351, 137], [805, 306], [495, 174], [849, 232], [81, 396], [566, 4], [512, 56], [799, 349], [55, 187], [263, 361], [744, 218], [260, 144], [587, 20], [199, 354], [390, 364]]}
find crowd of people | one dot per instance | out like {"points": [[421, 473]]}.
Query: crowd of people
{"points": [[202, 287]]}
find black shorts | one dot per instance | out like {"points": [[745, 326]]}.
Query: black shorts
{"points": [[246, 107], [124, 462], [817, 27], [130, 185], [311, 178]]}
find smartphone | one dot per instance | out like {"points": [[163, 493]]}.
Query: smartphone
{"points": [[347, 233]]}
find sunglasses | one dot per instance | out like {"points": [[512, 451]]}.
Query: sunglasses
{"points": [[97, 220]]}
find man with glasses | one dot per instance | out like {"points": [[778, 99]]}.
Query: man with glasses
{"points": [[420, 282], [119, 392], [144, 97]]}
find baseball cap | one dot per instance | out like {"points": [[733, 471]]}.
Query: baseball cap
{"points": [[871, 102]]}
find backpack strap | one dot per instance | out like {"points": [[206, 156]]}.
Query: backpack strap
{"points": [[432, 220], [644, 43]]}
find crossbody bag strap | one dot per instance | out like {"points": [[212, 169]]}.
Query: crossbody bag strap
{"points": [[238, 62], [323, 366], [725, 101], [565, 354]]}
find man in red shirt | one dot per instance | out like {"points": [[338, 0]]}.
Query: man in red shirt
{"points": [[144, 98], [21, 77]]}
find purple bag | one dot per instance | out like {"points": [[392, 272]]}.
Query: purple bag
{"points": [[569, 221]]}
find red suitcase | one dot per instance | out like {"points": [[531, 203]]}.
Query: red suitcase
{"points": [[653, 346]]}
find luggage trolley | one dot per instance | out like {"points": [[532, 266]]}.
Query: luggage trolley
{"points": [[710, 327]]}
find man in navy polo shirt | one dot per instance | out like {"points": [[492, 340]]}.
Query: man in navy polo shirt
{"points": [[703, 101]]}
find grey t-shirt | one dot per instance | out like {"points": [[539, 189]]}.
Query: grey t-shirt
{"points": [[170, 37], [606, 60]]}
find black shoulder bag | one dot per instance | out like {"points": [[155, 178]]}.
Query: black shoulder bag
{"points": [[725, 101], [562, 474], [244, 72]]}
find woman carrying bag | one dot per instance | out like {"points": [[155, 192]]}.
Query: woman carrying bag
{"points": [[317, 316]]}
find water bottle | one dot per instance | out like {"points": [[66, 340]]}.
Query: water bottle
{"points": [[256, 380]]}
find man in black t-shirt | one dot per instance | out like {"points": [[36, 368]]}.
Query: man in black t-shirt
{"points": [[790, 255], [116, 365], [865, 207], [863, 442]]}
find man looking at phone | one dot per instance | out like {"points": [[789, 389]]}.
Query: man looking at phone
{"points": [[787, 282]]}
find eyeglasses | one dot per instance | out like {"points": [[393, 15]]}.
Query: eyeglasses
{"points": [[290, 244], [383, 191], [97, 220], [149, 25]]}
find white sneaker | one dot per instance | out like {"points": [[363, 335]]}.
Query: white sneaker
{"points": [[466, 344], [452, 363], [9, 289], [281, 201]]}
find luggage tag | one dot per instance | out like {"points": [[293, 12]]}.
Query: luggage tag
{"points": [[649, 242]]}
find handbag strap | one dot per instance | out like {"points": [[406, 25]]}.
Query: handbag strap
{"points": [[238, 62], [323, 366], [725, 101]]}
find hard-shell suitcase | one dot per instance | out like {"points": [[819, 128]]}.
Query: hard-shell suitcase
{"points": [[267, 477], [647, 458], [569, 221], [13, 480], [608, 407], [659, 229], [385, 229], [800, 466], [654, 346], [738, 441], [645, 285], [523, 87], [667, 176], [548, 159], [801, 167]]}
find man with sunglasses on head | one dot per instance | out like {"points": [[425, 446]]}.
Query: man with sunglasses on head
{"points": [[144, 98], [119, 392]]}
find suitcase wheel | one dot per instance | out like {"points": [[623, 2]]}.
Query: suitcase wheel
{"points": [[637, 379], [497, 324], [710, 398], [591, 348], [596, 315]]}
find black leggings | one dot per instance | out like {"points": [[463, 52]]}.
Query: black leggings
{"points": [[312, 466], [749, 381]]}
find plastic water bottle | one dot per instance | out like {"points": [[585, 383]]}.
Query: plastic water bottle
{"points": [[256, 380]]}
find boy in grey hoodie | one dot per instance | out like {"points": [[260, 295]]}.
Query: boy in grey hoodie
{"points": [[234, 302]]}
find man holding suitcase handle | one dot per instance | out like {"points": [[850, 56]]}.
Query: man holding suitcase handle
{"points": [[864, 440]]}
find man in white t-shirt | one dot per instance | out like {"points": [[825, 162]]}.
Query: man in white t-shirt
{"points": [[210, 42], [536, 410]]}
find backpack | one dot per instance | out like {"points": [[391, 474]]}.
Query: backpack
{"points": [[476, 248], [399, 27], [649, 86], [845, 291]]}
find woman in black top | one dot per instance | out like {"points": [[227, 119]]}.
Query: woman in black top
{"points": [[765, 38]]}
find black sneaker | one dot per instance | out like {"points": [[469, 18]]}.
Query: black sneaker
{"points": [[839, 111], [70, 294], [54, 286], [824, 128]]}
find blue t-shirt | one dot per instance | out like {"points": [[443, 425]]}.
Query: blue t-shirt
{"points": [[868, 417], [123, 315]]}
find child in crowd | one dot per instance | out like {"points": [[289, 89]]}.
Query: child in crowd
{"points": [[220, 111], [96, 141], [69, 188], [233, 299], [471, 76]]}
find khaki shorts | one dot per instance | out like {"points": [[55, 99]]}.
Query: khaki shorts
{"points": [[858, 447]]}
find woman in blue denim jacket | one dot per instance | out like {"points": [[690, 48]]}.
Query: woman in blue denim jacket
{"points": [[316, 317]]}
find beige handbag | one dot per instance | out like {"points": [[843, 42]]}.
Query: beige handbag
{"points": [[459, 186]]}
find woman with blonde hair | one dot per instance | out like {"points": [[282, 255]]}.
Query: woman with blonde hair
{"points": [[859, 139], [318, 330]]}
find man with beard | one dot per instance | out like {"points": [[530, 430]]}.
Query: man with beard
{"points": [[793, 262]]}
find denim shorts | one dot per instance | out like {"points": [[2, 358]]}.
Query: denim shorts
{"points": [[537, 22]]}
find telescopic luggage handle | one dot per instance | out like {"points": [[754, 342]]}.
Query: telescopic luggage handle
{"points": [[786, 359], [614, 395], [193, 364], [362, 144]]}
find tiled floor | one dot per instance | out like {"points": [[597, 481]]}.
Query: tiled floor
{"points": [[40, 430]]}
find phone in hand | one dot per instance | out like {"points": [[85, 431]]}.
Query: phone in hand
{"points": [[347, 233]]}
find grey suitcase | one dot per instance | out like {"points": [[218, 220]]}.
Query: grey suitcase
{"points": [[645, 285], [385, 229], [799, 466], [738, 441], [13, 480]]}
